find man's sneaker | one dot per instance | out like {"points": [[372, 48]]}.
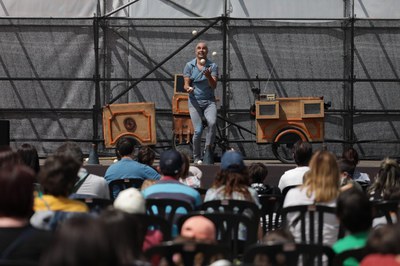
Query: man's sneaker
{"points": [[197, 161]]}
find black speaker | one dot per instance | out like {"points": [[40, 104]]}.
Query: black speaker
{"points": [[4, 133]]}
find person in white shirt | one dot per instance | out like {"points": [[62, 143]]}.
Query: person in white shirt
{"points": [[302, 152], [321, 187]]}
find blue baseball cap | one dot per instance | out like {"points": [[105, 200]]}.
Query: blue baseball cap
{"points": [[232, 161]]}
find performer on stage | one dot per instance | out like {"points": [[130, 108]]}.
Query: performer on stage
{"points": [[201, 76]]}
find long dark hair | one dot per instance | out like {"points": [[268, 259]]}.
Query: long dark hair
{"points": [[29, 156], [234, 181]]}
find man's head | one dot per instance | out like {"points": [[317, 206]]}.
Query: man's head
{"points": [[302, 153], [125, 146], [354, 210], [199, 228], [201, 50], [171, 163], [70, 149], [59, 174]]}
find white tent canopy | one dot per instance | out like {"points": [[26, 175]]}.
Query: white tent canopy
{"points": [[386, 9]]}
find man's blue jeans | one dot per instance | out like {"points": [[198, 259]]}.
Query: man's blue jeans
{"points": [[209, 110]]}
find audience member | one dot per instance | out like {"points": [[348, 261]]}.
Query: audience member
{"points": [[18, 239], [126, 167], [126, 233], [191, 175], [302, 152], [346, 181], [233, 182], [199, 228], [354, 212], [169, 187], [82, 241], [9, 157], [146, 155], [384, 246], [52, 206], [58, 177], [131, 201], [87, 184], [258, 172], [29, 156], [320, 187], [386, 182], [278, 236], [351, 155]]}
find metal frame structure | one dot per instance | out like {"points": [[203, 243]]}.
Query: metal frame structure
{"points": [[349, 79]]}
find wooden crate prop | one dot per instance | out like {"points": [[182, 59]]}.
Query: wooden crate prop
{"points": [[290, 115], [131, 119]]}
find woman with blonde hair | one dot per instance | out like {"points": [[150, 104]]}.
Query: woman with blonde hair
{"points": [[321, 187]]}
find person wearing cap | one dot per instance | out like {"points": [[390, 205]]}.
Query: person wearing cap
{"points": [[169, 187], [132, 201], [233, 182]]}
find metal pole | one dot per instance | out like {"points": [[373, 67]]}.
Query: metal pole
{"points": [[224, 78], [352, 78], [96, 77]]}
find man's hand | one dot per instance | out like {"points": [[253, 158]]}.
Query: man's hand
{"points": [[190, 90], [207, 72]]}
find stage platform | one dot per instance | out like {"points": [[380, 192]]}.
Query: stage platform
{"points": [[275, 170]]}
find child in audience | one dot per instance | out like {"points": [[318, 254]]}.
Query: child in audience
{"points": [[258, 172], [354, 212]]}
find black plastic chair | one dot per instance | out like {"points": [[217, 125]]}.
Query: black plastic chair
{"points": [[118, 185], [170, 209], [309, 216], [357, 254], [18, 263], [190, 252], [288, 254], [234, 206], [388, 208], [270, 212], [153, 222], [96, 205], [229, 226]]}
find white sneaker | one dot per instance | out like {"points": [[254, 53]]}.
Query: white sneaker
{"points": [[198, 162]]}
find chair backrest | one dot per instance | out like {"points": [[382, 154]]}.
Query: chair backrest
{"points": [[289, 254], [154, 222], [96, 205], [234, 206], [390, 209], [190, 252], [117, 185], [357, 254], [286, 190], [169, 209], [312, 219], [235, 230], [270, 212], [18, 263]]}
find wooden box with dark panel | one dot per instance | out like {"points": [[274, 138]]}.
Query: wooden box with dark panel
{"points": [[281, 119], [135, 120]]}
